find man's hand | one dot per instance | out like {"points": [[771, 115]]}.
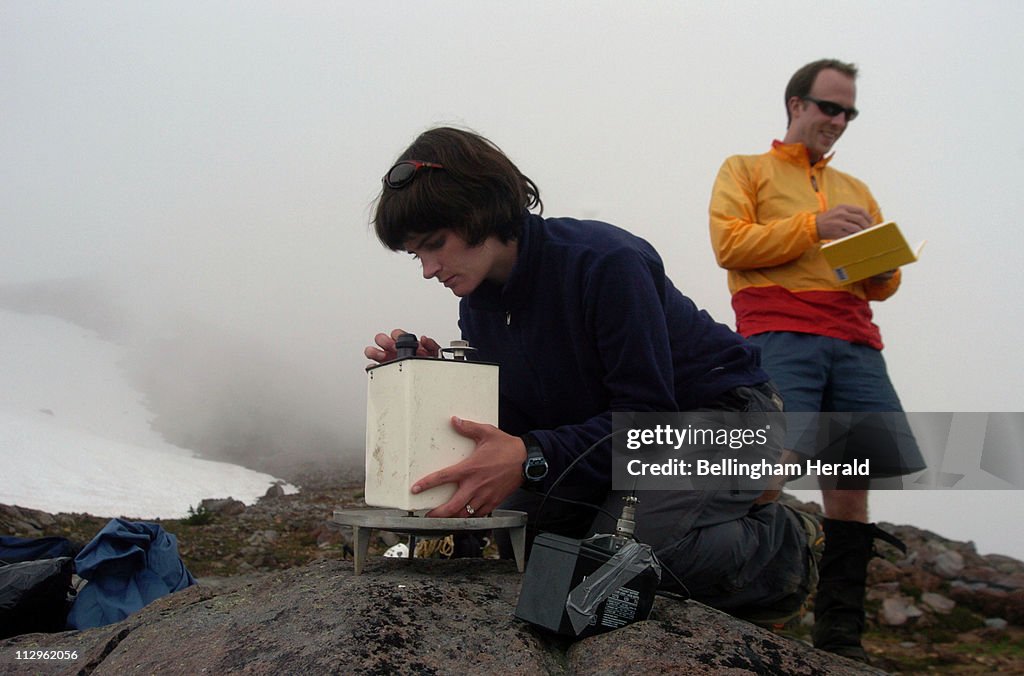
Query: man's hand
{"points": [[488, 476], [385, 349], [842, 221]]}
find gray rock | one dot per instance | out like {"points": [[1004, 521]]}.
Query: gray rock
{"points": [[883, 590], [938, 602], [224, 506], [263, 537], [425, 616], [896, 610], [991, 602], [948, 563], [690, 638], [22, 520]]}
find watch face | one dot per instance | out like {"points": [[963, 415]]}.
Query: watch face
{"points": [[536, 468]]}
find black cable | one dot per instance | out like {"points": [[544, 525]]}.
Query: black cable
{"points": [[566, 471], [666, 593], [583, 503]]}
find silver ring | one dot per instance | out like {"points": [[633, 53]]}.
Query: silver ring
{"points": [[470, 510]]}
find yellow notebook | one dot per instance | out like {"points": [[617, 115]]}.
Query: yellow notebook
{"points": [[869, 252]]}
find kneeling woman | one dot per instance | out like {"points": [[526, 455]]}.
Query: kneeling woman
{"points": [[583, 322]]}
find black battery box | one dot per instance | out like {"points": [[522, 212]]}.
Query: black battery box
{"points": [[558, 565]]}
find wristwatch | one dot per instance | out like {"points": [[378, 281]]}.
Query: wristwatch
{"points": [[536, 467]]}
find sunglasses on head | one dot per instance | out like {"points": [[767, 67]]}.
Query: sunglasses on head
{"points": [[832, 109], [402, 173]]}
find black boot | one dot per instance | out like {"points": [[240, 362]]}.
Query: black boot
{"points": [[843, 572]]}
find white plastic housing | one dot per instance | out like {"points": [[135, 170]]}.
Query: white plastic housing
{"points": [[409, 405]]}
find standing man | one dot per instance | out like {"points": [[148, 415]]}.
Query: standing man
{"points": [[769, 215]]}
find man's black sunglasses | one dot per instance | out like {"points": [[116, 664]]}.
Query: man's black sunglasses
{"points": [[832, 108], [402, 173]]}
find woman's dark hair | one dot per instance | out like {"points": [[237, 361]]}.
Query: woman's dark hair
{"points": [[477, 193]]}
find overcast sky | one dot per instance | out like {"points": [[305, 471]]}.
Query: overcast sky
{"points": [[212, 165]]}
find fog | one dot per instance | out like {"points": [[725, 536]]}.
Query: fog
{"points": [[75, 436], [194, 181]]}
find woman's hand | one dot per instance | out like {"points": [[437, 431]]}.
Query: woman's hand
{"points": [[492, 473], [385, 349]]}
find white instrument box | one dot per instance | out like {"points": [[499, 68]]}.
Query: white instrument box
{"points": [[409, 434]]}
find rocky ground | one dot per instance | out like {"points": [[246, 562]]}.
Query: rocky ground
{"points": [[941, 609]]}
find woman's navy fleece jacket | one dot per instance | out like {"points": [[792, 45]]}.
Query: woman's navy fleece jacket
{"points": [[588, 324]]}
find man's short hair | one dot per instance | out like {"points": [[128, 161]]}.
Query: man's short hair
{"points": [[478, 193], [802, 81]]}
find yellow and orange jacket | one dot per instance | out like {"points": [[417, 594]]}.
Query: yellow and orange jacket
{"points": [[764, 232]]}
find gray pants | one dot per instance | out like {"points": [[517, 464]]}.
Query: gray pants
{"points": [[758, 559], [719, 548]]}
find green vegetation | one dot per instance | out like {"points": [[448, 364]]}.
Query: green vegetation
{"points": [[1004, 647], [957, 621], [197, 517]]}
